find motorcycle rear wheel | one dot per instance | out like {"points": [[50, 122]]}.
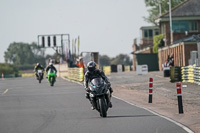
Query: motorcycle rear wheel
{"points": [[52, 81], [39, 78]]}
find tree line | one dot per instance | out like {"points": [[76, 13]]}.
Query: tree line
{"points": [[23, 56], [159, 7]]}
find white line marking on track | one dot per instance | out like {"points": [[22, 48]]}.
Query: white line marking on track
{"points": [[179, 124], [4, 92]]}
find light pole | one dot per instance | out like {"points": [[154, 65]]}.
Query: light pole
{"points": [[170, 19]]}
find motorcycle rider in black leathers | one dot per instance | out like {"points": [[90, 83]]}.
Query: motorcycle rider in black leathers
{"points": [[50, 66], [92, 73], [39, 67]]}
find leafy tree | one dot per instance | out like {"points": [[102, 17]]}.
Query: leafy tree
{"points": [[19, 54], [158, 42], [23, 53], [123, 59], [155, 10], [104, 60], [38, 53]]}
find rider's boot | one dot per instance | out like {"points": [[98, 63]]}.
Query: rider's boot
{"points": [[88, 97], [111, 91]]}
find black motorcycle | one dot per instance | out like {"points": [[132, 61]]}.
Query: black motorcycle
{"points": [[100, 96]]}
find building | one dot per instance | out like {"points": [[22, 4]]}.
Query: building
{"points": [[185, 23], [146, 42]]}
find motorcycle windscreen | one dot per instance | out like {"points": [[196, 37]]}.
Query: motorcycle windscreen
{"points": [[97, 82], [97, 85]]}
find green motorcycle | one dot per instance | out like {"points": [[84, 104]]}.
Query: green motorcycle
{"points": [[51, 77]]}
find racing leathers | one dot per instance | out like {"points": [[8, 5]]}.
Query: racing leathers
{"points": [[39, 67], [51, 67], [95, 74]]}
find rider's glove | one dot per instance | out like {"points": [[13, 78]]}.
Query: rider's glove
{"points": [[108, 85], [87, 89]]}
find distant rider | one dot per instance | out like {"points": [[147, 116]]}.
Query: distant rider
{"points": [[39, 67], [50, 66], [92, 73]]}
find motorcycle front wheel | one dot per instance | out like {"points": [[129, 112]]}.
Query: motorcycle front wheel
{"points": [[102, 107]]}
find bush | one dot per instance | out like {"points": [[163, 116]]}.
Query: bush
{"points": [[158, 42], [6, 68]]}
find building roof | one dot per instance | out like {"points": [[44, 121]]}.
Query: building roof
{"points": [[149, 27], [185, 9]]}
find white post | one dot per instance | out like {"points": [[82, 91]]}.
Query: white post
{"points": [[160, 8], [170, 19]]}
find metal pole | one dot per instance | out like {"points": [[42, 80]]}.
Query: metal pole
{"points": [[170, 19], [160, 8], [62, 45], [38, 41]]}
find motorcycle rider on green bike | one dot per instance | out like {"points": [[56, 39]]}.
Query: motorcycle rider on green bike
{"points": [[50, 67]]}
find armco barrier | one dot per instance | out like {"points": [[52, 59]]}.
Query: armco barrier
{"points": [[107, 70]]}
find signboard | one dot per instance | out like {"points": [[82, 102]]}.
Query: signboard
{"points": [[141, 69]]}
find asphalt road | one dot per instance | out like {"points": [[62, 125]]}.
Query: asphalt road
{"points": [[29, 107]]}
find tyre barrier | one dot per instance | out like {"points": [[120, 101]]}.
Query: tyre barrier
{"points": [[197, 75], [28, 75], [120, 68], [191, 74], [75, 74], [107, 70], [127, 68], [175, 74]]}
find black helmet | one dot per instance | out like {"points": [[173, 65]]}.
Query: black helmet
{"points": [[91, 66]]}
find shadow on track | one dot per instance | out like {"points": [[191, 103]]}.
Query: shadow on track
{"points": [[123, 116]]}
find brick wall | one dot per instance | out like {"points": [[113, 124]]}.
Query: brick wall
{"points": [[176, 36]]}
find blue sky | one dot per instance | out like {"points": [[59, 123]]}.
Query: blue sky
{"points": [[105, 26]]}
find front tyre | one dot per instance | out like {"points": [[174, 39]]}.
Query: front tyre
{"points": [[102, 107], [39, 78]]}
